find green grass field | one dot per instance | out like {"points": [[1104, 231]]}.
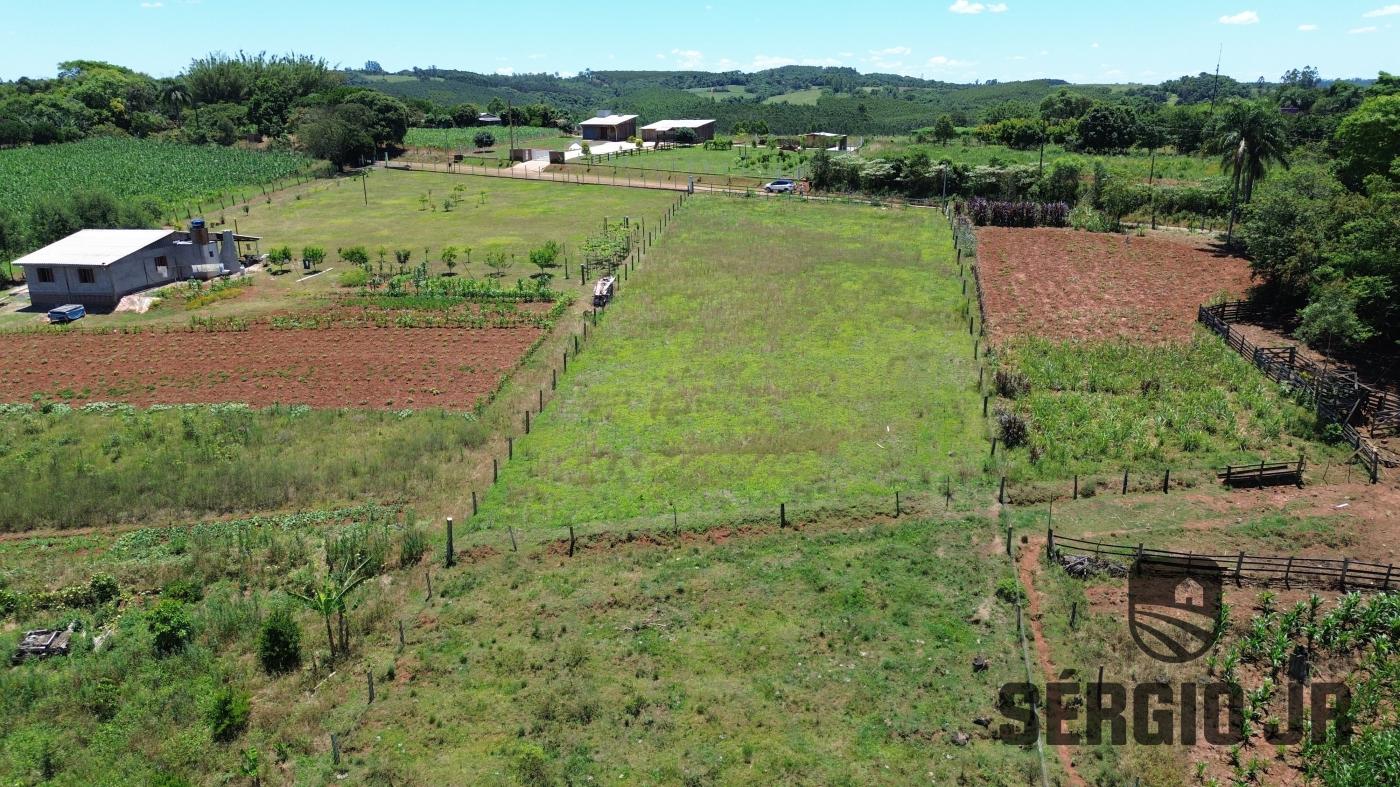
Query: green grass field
{"points": [[1105, 407], [511, 216], [741, 166], [1135, 164], [807, 97], [168, 173], [837, 656], [769, 351], [464, 138]]}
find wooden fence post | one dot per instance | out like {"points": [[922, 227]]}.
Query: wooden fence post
{"points": [[451, 558], [553, 379], [1073, 614], [495, 469], [1166, 480], [402, 643], [335, 749], [984, 406], [896, 503], [994, 446], [1001, 493], [1346, 564], [541, 400], [1050, 543], [473, 502], [1125, 480], [1239, 569], [511, 531], [571, 541], [1287, 570], [429, 574], [510, 448], [782, 515], [1010, 548], [1076, 487], [527, 422], [369, 680]]}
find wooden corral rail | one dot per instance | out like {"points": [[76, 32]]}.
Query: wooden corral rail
{"points": [[1264, 473], [1345, 574], [1340, 397]]}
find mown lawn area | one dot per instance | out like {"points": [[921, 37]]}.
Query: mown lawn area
{"points": [[767, 351], [741, 166]]}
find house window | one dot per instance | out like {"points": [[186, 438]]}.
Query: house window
{"points": [[85, 276], [45, 275], [162, 266]]}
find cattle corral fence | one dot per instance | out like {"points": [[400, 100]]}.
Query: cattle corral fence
{"points": [[1344, 573], [1339, 396]]}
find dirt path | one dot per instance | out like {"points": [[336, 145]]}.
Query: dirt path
{"points": [[1027, 562]]}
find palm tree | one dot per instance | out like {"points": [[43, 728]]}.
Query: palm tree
{"points": [[175, 97], [1248, 138]]}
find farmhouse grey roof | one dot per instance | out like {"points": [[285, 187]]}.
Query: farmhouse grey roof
{"points": [[610, 120], [670, 125], [94, 247]]}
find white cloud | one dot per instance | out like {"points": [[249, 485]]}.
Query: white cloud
{"points": [[891, 51], [1017, 57], [1389, 10], [1242, 18], [688, 58], [1360, 30], [943, 61], [1307, 28], [505, 72], [762, 62], [845, 54], [965, 7], [1094, 45]]}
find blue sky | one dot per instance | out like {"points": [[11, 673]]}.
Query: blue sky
{"points": [[955, 40]]}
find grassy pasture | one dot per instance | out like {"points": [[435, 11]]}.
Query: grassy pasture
{"points": [[1135, 164], [1100, 407], [462, 138], [837, 656], [495, 214], [768, 351], [805, 97], [737, 167]]}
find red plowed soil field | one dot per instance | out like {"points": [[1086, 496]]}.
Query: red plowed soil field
{"points": [[1067, 284], [358, 367]]}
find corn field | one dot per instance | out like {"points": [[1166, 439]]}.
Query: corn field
{"points": [[169, 173]]}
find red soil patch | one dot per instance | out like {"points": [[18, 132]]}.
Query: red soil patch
{"points": [[361, 367], [1067, 284]]}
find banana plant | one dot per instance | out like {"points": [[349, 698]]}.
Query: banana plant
{"points": [[328, 599]]}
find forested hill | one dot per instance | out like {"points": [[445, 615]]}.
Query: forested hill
{"points": [[792, 99]]}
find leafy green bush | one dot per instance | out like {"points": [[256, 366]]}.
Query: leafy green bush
{"points": [[9, 601], [227, 713], [279, 642], [103, 588], [170, 626], [353, 277], [188, 591]]}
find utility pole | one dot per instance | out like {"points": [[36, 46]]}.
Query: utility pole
{"points": [[1215, 86]]}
